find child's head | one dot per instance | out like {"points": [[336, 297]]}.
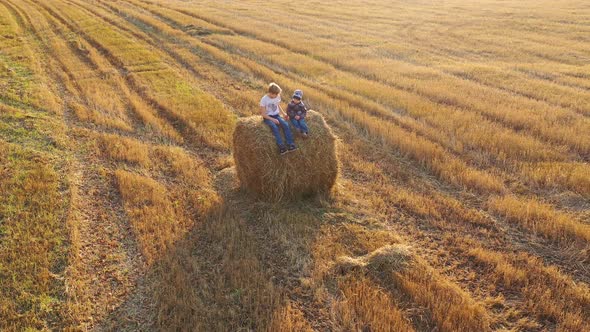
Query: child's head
{"points": [[297, 96], [274, 90]]}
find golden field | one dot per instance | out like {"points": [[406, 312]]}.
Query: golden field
{"points": [[462, 204]]}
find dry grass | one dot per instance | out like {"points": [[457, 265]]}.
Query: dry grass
{"points": [[116, 126], [152, 215], [178, 163], [86, 115], [549, 293], [452, 308], [365, 307], [34, 240], [573, 176], [383, 260], [33, 247], [395, 267], [289, 319], [542, 218], [234, 290], [120, 148]]}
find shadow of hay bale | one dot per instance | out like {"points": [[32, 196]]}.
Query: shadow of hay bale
{"points": [[232, 272], [226, 181], [310, 170], [381, 261]]}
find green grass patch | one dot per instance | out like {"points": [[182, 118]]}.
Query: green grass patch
{"points": [[33, 234], [33, 239], [15, 80]]}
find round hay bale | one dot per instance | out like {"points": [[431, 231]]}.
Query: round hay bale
{"points": [[309, 170]]}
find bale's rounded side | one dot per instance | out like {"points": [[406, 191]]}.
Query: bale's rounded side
{"points": [[311, 169]]}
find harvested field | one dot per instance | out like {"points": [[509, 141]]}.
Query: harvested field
{"points": [[458, 169]]}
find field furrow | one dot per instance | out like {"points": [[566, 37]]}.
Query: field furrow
{"points": [[552, 129], [459, 147]]}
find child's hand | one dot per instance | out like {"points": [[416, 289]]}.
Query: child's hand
{"points": [[297, 117], [276, 121]]}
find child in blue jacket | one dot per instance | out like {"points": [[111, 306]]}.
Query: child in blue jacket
{"points": [[297, 111]]}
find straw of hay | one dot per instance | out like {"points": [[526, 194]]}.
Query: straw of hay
{"points": [[383, 260], [390, 257], [346, 264], [310, 170]]}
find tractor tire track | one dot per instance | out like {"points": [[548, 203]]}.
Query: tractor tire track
{"points": [[105, 263]]}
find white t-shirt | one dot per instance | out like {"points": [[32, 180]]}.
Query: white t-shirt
{"points": [[270, 104]]}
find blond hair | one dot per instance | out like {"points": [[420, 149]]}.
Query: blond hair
{"points": [[274, 88]]}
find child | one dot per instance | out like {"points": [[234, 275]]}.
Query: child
{"points": [[271, 110], [297, 112]]}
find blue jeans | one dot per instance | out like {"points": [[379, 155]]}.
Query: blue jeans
{"points": [[277, 133], [300, 125]]}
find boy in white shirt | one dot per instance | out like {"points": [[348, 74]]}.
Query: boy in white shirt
{"points": [[271, 110]]}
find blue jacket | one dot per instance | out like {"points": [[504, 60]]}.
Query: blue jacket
{"points": [[296, 109]]}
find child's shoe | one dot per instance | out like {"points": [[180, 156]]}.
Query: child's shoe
{"points": [[282, 149], [291, 148]]}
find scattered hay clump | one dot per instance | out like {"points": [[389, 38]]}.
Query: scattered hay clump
{"points": [[383, 260], [310, 170]]}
